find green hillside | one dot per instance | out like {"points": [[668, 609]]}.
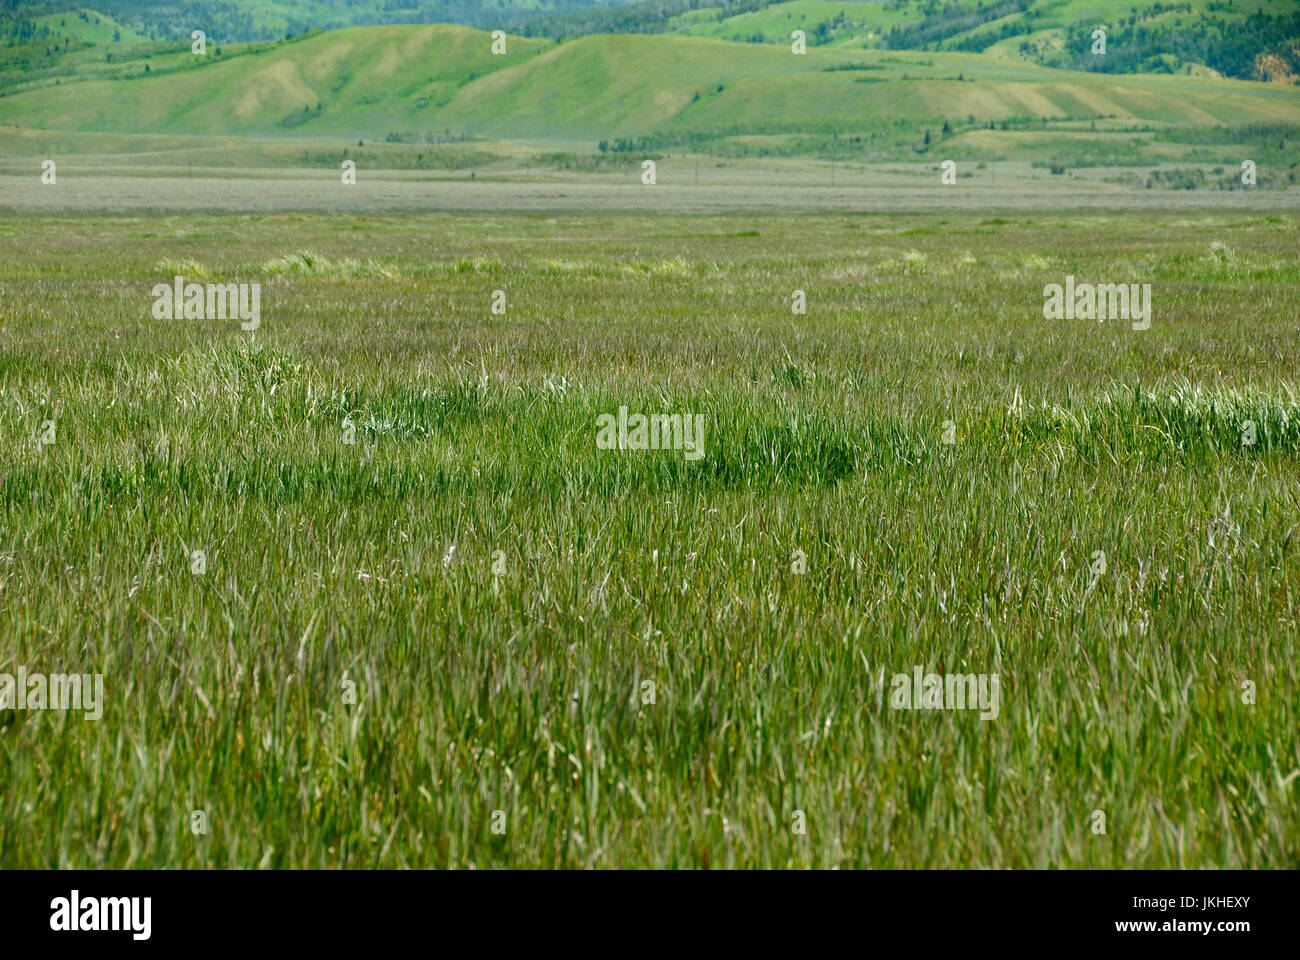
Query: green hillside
{"points": [[360, 78], [1245, 39], [84, 25], [230, 21], [375, 80]]}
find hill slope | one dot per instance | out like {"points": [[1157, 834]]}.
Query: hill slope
{"points": [[234, 21], [1246, 39], [369, 81]]}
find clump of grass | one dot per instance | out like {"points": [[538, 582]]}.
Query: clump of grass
{"points": [[185, 267], [1220, 252], [1180, 418], [674, 267], [306, 262], [478, 265]]}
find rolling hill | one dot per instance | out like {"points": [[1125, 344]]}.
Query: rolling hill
{"points": [[1245, 39], [370, 81], [234, 21]]}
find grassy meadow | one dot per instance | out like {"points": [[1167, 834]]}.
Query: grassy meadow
{"points": [[427, 596], [364, 585]]}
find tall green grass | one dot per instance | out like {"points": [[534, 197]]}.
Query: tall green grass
{"points": [[522, 688]]}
